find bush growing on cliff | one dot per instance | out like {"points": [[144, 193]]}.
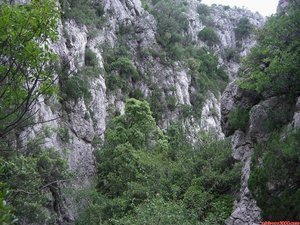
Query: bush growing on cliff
{"points": [[85, 12], [274, 179], [239, 118], [272, 65], [203, 9], [120, 69], [171, 21], [243, 29], [209, 36], [90, 58], [231, 54], [74, 88]]}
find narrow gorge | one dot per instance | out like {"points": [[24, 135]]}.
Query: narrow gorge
{"points": [[156, 112]]}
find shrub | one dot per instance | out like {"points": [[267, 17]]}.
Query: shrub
{"points": [[74, 88], [239, 118], [209, 36], [63, 133], [203, 9], [157, 211], [26, 177], [119, 68], [171, 102], [231, 54], [124, 66], [83, 11], [271, 67], [90, 58], [274, 178], [243, 29]]}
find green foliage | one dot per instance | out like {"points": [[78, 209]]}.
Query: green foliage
{"points": [[239, 118], [206, 75], [75, 87], [83, 11], [208, 35], [63, 133], [6, 212], [204, 14], [119, 69], [171, 102], [90, 58], [155, 102], [243, 29], [147, 177], [124, 66], [231, 54], [26, 62], [27, 178], [272, 66], [157, 211], [171, 20], [136, 130], [274, 179], [203, 9], [117, 169]]}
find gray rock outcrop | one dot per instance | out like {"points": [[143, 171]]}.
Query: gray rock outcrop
{"points": [[264, 115], [79, 125]]}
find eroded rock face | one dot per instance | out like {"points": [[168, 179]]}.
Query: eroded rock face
{"points": [[245, 209], [264, 116], [282, 6], [79, 125], [232, 98], [275, 111]]}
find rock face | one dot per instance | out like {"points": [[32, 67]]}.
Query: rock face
{"points": [[232, 98], [282, 6], [80, 124], [263, 113]]}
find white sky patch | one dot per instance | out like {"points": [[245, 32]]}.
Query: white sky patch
{"points": [[264, 7]]}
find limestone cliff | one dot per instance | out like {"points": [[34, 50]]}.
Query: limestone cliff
{"points": [[84, 119]]}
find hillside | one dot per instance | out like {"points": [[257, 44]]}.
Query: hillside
{"points": [[119, 112]]}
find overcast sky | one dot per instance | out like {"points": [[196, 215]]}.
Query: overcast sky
{"points": [[264, 7]]}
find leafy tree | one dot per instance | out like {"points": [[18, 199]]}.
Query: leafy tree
{"points": [[25, 59], [127, 134], [85, 12], [157, 211], [209, 36], [244, 28], [27, 178], [171, 22], [274, 179], [238, 119], [6, 212], [145, 175], [272, 65]]}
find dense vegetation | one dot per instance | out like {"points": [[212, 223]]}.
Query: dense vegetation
{"points": [[272, 68], [273, 64], [86, 12], [26, 73], [275, 177], [146, 176], [243, 29], [25, 65]]}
